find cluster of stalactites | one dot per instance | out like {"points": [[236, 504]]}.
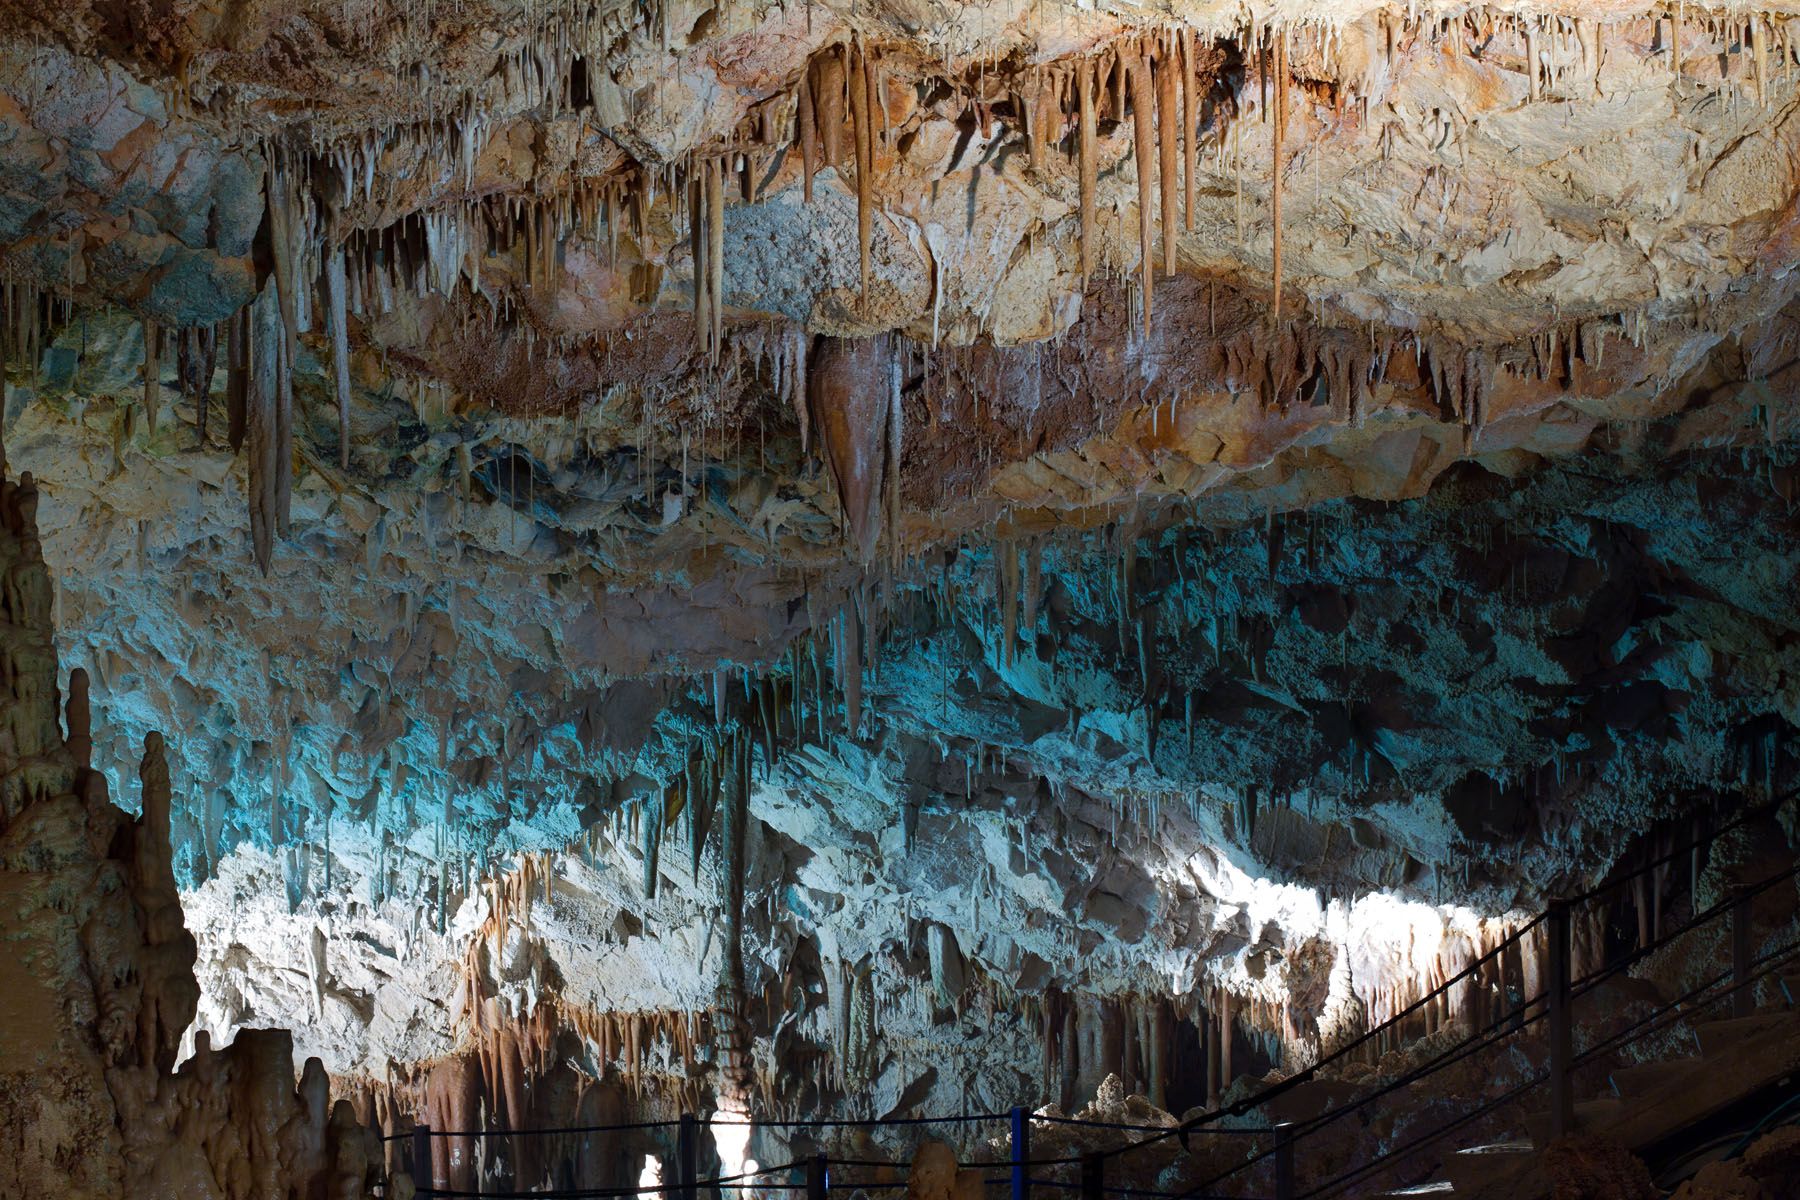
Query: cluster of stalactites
{"points": [[836, 115]]}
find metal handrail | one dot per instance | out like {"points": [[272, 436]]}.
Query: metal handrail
{"points": [[1499, 1029]]}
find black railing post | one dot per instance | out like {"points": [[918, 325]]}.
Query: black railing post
{"points": [[687, 1157], [1021, 1151], [1093, 1175], [1562, 1026], [423, 1183], [1743, 991], [818, 1184], [1284, 1161]]}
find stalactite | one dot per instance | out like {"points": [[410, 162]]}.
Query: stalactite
{"points": [[1087, 150], [196, 356], [797, 382], [715, 255], [338, 319], [850, 672], [1006, 561], [807, 134], [654, 809], [1168, 125], [286, 242], [1190, 119], [831, 82], [1531, 58], [262, 430], [1143, 107], [1281, 94], [699, 247], [79, 720], [896, 430], [862, 117], [1675, 40]]}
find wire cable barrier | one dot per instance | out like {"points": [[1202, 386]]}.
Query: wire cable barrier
{"points": [[1271, 1154]]}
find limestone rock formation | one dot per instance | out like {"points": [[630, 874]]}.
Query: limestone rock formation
{"points": [[859, 556], [98, 970]]}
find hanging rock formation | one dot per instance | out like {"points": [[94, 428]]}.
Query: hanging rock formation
{"points": [[857, 558]]}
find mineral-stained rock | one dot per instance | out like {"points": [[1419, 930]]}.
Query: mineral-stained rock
{"points": [[820, 555], [97, 971]]}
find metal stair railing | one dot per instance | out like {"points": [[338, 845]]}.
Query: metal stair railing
{"points": [[1553, 1005]]}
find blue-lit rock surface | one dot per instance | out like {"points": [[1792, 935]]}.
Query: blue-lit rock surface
{"points": [[898, 557], [1307, 755]]}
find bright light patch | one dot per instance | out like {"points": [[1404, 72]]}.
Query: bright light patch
{"points": [[1387, 950], [731, 1137], [650, 1178]]}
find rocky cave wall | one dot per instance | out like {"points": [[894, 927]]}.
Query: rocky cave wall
{"points": [[833, 554], [98, 969]]}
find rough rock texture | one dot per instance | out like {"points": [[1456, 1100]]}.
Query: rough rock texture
{"points": [[97, 970], [904, 555]]}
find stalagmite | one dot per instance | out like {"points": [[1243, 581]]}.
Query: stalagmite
{"points": [[1088, 151], [338, 319], [734, 816], [1168, 122], [1143, 106]]}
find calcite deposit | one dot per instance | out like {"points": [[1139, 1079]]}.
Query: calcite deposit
{"points": [[853, 557], [97, 969]]}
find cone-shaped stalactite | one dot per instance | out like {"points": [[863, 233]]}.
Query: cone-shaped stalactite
{"points": [[1275, 186], [850, 386], [337, 317], [1143, 109], [237, 378], [1168, 123], [1088, 151], [263, 424], [863, 102]]}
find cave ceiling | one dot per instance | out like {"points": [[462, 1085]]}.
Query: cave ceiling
{"points": [[1126, 495]]}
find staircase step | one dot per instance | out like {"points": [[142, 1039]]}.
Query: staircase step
{"points": [[1645, 1079], [1716, 1036]]}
